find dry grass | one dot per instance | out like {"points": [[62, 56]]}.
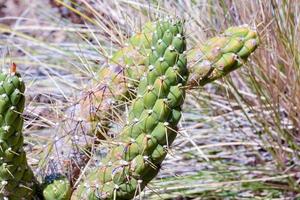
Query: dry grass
{"points": [[239, 137]]}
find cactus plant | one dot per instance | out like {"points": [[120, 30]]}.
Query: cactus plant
{"points": [[153, 117], [218, 57], [152, 122], [157, 78], [17, 179], [212, 60]]}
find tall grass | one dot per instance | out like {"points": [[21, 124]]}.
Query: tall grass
{"points": [[273, 79], [239, 136]]}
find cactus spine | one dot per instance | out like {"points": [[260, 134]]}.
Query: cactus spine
{"points": [[17, 179], [152, 122]]}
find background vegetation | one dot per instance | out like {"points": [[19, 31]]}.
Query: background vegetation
{"points": [[239, 136]]}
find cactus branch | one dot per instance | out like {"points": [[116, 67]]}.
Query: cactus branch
{"points": [[17, 179], [152, 122], [210, 61]]}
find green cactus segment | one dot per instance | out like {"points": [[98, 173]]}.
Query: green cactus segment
{"points": [[16, 178], [214, 59], [152, 122], [222, 54], [57, 188]]}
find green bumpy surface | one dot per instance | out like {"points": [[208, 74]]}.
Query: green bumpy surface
{"points": [[222, 54], [152, 122], [57, 188], [208, 62], [16, 178]]}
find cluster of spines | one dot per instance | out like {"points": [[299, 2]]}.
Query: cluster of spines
{"points": [[152, 121], [16, 178]]}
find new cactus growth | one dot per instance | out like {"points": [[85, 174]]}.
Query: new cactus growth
{"points": [[152, 122], [57, 187], [222, 54], [132, 57], [16, 178]]}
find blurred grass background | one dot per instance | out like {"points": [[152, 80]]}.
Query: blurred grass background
{"points": [[239, 136]]}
